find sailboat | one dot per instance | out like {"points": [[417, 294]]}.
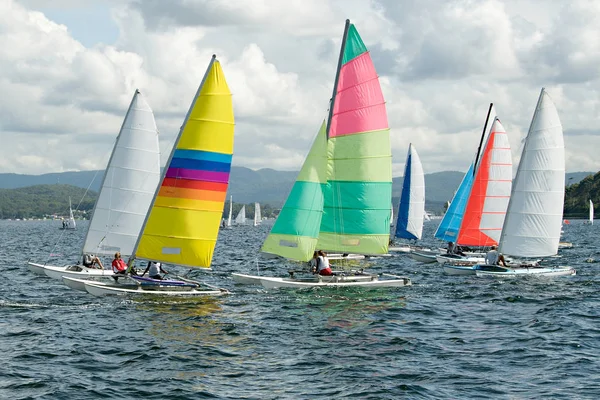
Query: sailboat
{"points": [[590, 220], [257, 217], [533, 220], [340, 201], [411, 210], [182, 224], [240, 219], [230, 211], [128, 185], [70, 222], [488, 200]]}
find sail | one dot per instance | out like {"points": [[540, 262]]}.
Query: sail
{"points": [[230, 211], [295, 232], [183, 223], [450, 224], [257, 217], [356, 210], [71, 223], [411, 210], [240, 219], [490, 193], [591, 212], [128, 185], [534, 216]]}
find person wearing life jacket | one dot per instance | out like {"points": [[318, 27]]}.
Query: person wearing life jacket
{"points": [[118, 265], [323, 267], [154, 268]]}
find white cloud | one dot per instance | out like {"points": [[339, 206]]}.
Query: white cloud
{"points": [[441, 63]]}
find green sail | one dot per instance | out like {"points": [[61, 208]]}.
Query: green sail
{"points": [[295, 232]]}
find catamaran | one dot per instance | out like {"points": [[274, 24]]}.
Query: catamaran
{"points": [[340, 201], [128, 185], [240, 219], [257, 217], [70, 222], [533, 220], [411, 210], [182, 224]]}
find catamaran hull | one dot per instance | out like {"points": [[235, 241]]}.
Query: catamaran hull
{"points": [[443, 259], [459, 269], [100, 290], [400, 249], [423, 256], [372, 282], [59, 272], [528, 271], [36, 268], [246, 279], [74, 283]]}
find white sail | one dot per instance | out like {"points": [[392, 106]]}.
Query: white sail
{"points": [[534, 216], [230, 210], [129, 183], [71, 222], [591, 212], [240, 219], [257, 217]]}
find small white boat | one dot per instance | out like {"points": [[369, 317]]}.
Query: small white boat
{"points": [[74, 271], [565, 245], [519, 271], [453, 269], [362, 280], [453, 258]]}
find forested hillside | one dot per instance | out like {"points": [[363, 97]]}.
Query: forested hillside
{"points": [[577, 196], [44, 200]]}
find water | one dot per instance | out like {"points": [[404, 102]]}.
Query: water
{"points": [[445, 337]]}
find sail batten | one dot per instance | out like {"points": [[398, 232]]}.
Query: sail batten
{"points": [[183, 223]]}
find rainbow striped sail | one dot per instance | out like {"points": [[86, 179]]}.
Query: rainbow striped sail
{"points": [[295, 232], [183, 223], [356, 210]]}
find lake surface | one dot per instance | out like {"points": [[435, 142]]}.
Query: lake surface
{"points": [[443, 338]]}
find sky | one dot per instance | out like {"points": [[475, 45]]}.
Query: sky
{"points": [[70, 67]]}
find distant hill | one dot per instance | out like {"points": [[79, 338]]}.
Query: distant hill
{"points": [[267, 186], [578, 195], [44, 200]]}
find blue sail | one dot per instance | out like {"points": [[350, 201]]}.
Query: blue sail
{"points": [[411, 210], [450, 225]]}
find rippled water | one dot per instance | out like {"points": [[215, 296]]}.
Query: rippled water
{"points": [[445, 337]]}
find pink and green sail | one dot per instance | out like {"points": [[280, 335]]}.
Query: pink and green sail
{"points": [[340, 201], [295, 232], [356, 198]]}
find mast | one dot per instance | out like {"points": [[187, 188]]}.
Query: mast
{"points": [[164, 173], [482, 136], [337, 77], [112, 154]]}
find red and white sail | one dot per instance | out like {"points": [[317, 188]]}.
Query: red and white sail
{"points": [[490, 194]]}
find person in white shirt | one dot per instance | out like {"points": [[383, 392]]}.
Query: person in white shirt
{"points": [[323, 267], [154, 269], [492, 257]]}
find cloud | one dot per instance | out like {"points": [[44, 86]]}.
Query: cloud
{"points": [[441, 63]]}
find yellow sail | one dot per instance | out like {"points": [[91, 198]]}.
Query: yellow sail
{"points": [[183, 223]]}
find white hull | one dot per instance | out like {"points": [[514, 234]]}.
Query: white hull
{"points": [[565, 245], [527, 271], [74, 271], [400, 249], [100, 289], [36, 268], [459, 269], [443, 259], [246, 279], [74, 283], [423, 256], [371, 281]]}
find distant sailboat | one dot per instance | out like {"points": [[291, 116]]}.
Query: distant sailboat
{"points": [[411, 210], [591, 216], [240, 219], [69, 223], [257, 217]]}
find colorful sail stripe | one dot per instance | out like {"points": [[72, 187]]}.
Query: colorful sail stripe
{"points": [[183, 224], [450, 225]]}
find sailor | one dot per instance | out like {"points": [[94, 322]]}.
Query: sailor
{"points": [[323, 267], [154, 269], [492, 257]]}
